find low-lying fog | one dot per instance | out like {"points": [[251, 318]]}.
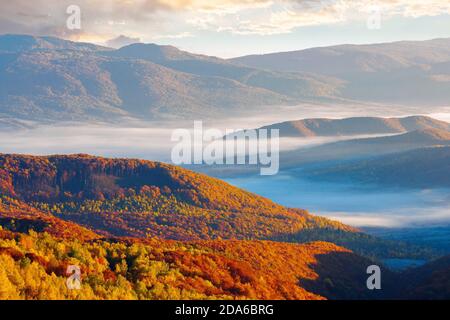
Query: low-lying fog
{"points": [[152, 141], [354, 204]]}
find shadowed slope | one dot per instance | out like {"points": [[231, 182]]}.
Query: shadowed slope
{"points": [[431, 281], [365, 147], [422, 168]]}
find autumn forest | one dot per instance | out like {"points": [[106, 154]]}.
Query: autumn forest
{"points": [[148, 230]]}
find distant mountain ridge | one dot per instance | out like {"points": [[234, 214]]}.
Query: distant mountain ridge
{"points": [[365, 147], [356, 126], [428, 135], [11, 43], [76, 85], [62, 80], [347, 58], [418, 168], [405, 72], [292, 85], [50, 79]]}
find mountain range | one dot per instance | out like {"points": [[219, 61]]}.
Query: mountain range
{"points": [[63, 80], [50, 79], [348, 141], [342, 59], [414, 72], [149, 230]]}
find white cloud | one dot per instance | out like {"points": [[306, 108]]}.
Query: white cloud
{"points": [[148, 19], [275, 17], [181, 35]]}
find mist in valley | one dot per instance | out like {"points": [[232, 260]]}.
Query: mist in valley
{"points": [[353, 204]]}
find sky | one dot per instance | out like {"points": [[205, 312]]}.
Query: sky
{"points": [[229, 28]]}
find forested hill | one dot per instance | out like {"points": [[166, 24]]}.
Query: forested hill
{"points": [[33, 266], [123, 197], [148, 230]]}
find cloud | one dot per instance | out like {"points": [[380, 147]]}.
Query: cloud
{"points": [[100, 19], [420, 216], [121, 41], [152, 19], [152, 143], [181, 35], [277, 17]]}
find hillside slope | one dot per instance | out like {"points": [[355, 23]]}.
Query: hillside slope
{"points": [[429, 282], [158, 269], [149, 203], [143, 199], [125, 268], [17, 216]]}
